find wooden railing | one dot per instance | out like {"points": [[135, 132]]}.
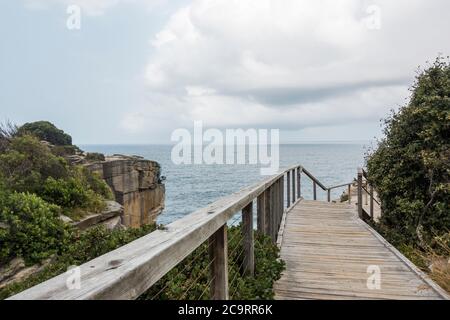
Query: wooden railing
{"points": [[365, 189], [129, 271], [316, 183]]}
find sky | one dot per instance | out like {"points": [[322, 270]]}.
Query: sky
{"points": [[136, 70]]}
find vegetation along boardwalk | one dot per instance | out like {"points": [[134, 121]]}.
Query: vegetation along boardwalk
{"points": [[331, 254]]}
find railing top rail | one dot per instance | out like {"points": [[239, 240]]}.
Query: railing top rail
{"points": [[314, 179], [340, 186]]}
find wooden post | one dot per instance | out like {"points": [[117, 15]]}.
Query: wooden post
{"points": [[365, 195], [249, 242], [329, 195], [314, 190], [281, 203], [288, 189], [273, 211], [293, 186], [261, 212], [360, 200], [349, 193], [218, 253], [267, 198], [280, 206], [277, 210], [371, 202], [299, 193]]}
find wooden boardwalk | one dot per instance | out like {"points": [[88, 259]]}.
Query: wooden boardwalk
{"points": [[327, 247], [328, 251]]}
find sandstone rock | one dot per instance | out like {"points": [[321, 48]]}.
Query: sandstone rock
{"points": [[16, 271], [11, 268], [65, 219], [113, 210], [113, 223], [76, 159], [136, 184]]}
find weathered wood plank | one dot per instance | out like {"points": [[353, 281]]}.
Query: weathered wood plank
{"points": [[329, 251]]}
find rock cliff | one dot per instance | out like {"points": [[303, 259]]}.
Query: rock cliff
{"points": [[137, 186]]}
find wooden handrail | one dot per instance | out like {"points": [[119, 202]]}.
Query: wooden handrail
{"points": [[340, 186], [129, 271], [368, 192], [314, 179]]}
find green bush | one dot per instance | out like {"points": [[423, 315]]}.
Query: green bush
{"points": [[85, 246], [93, 181], [82, 247], [69, 193], [27, 163], [8, 130], [410, 168], [47, 131], [34, 230], [63, 151], [94, 156], [190, 279]]}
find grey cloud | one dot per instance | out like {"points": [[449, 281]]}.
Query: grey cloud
{"points": [[288, 96]]}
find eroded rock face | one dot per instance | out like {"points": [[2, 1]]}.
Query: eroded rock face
{"points": [[111, 217], [137, 186]]}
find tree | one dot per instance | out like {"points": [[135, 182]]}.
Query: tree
{"points": [[410, 168], [47, 131]]}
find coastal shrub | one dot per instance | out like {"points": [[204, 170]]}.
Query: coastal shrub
{"points": [[63, 151], [26, 163], [8, 130], [71, 193], [95, 156], [82, 247], [85, 246], [32, 228], [410, 169], [45, 130], [190, 279], [93, 181]]}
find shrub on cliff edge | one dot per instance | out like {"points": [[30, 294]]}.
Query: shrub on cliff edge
{"points": [[26, 163], [411, 167], [32, 228], [47, 131]]}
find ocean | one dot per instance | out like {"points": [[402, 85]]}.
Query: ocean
{"points": [[190, 187]]}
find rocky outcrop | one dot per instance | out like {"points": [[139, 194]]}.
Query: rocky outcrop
{"points": [[17, 271], [137, 186], [111, 217]]}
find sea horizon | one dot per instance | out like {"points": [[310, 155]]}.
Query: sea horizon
{"points": [[191, 187]]}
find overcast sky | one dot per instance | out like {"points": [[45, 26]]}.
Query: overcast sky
{"points": [[138, 69]]}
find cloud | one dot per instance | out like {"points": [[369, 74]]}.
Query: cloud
{"points": [[291, 63], [90, 7], [287, 64]]}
